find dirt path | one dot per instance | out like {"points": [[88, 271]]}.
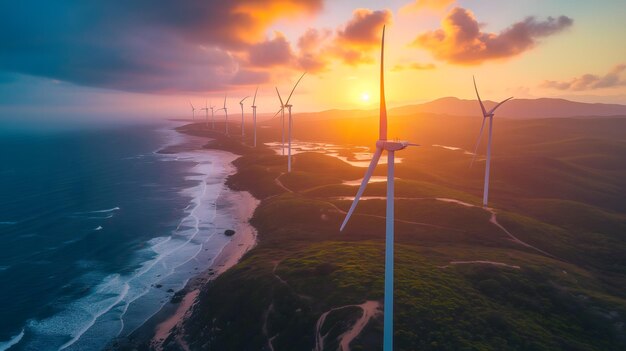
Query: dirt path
{"points": [[266, 316], [370, 309], [494, 263], [493, 219], [280, 184], [513, 238]]}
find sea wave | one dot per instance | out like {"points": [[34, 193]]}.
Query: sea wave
{"points": [[121, 303], [99, 211], [13, 341]]}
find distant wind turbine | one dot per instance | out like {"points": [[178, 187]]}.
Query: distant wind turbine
{"points": [[254, 114], [391, 147], [206, 113], [193, 112], [288, 106], [212, 117], [226, 112], [241, 104], [486, 115], [282, 122]]}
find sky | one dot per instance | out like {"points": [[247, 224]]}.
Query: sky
{"points": [[89, 60]]}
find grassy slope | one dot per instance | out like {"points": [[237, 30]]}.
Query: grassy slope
{"points": [[303, 266]]}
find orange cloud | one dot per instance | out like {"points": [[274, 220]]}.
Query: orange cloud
{"points": [[363, 29], [461, 41], [270, 53], [413, 66], [360, 36], [591, 81], [312, 46], [418, 5], [351, 43]]}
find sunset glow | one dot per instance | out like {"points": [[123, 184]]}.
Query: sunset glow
{"points": [[526, 49]]}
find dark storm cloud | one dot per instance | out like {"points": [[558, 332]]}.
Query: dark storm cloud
{"points": [[139, 45]]}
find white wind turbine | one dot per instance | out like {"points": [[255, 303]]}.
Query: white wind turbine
{"points": [[193, 112], [254, 114], [282, 122], [241, 104], [206, 113], [486, 115], [288, 106], [391, 147], [226, 112], [212, 117]]}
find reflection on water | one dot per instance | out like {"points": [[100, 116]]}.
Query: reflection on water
{"points": [[373, 179], [454, 148], [360, 155]]}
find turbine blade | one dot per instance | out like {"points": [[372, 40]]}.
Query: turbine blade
{"points": [[294, 88], [366, 179], [482, 107], [383, 103], [480, 134], [254, 100], [279, 98], [191, 105], [225, 100], [498, 105], [277, 112], [244, 99]]}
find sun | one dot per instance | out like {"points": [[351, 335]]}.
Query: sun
{"points": [[365, 97]]}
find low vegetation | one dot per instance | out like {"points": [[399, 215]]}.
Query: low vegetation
{"points": [[461, 282]]}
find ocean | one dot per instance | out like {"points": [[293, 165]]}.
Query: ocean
{"points": [[98, 230]]}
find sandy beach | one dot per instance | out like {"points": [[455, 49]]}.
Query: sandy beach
{"points": [[244, 239], [235, 208]]}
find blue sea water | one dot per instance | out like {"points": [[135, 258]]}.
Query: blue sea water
{"points": [[97, 229]]}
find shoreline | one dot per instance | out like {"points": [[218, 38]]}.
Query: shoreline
{"points": [[167, 321]]}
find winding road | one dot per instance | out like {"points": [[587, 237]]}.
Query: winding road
{"points": [[369, 308]]}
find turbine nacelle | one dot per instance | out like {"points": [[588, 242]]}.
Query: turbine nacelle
{"points": [[392, 145]]}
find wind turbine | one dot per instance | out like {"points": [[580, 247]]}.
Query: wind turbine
{"points": [[391, 147], [290, 121], [241, 104], [206, 113], [282, 122], [193, 112], [486, 115], [212, 117], [226, 112], [254, 114]]}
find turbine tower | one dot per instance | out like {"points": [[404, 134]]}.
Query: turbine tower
{"points": [[206, 113], [254, 114], [391, 147], [193, 112], [282, 122], [226, 112], [288, 106], [486, 114], [212, 117], [241, 104]]}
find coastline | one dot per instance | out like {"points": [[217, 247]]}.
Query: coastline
{"points": [[235, 205]]}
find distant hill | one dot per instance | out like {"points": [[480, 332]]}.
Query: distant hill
{"points": [[516, 108]]}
